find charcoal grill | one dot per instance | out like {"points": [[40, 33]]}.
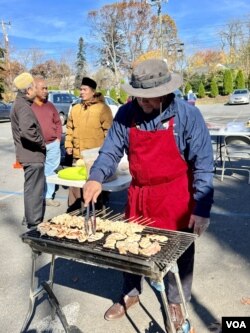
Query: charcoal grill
{"points": [[154, 267]]}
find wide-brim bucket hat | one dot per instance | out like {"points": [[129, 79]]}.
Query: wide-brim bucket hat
{"points": [[152, 78]]}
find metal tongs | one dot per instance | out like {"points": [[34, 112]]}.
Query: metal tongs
{"points": [[88, 218]]}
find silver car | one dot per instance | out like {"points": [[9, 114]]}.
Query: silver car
{"points": [[114, 106], [62, 101], [5, 110], [239, 96]]}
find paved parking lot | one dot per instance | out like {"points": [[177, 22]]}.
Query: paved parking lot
{"points": [[222, 268]]}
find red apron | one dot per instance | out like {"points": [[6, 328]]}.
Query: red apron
{"points": [[161, 187]]}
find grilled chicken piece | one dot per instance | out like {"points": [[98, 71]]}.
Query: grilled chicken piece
{"points": [[122, 247], [110, 244], [151, 250], [95, 237], [159, 238], [145, 242], [133, 247]]}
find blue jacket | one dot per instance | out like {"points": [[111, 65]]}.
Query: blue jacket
{"points": [[192, 138]]}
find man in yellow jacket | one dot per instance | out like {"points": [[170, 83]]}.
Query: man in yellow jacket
{"points": [[86, 128]]}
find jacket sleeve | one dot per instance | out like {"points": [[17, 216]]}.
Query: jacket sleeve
{"points": [[69, 131], [57, 122], [112, 149], [30, 129], [106, 119], [199, 154]]}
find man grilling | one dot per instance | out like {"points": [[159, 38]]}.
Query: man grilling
{"points": [[171, 163]]}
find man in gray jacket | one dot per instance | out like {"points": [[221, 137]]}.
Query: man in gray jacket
{"points": [[30, 148]]}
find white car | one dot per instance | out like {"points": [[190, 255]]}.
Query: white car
{"points": [[239, 96], [114, 106]]}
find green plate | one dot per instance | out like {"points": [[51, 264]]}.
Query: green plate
{"points": [[73, 173]]}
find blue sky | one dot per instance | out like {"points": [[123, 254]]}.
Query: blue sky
{"points": [[55, 26]]}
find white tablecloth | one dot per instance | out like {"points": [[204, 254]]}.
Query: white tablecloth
{"points": [[120, 183]]}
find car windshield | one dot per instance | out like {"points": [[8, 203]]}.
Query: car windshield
{"points": [[62, 98], [110, 101], [236, 92]]}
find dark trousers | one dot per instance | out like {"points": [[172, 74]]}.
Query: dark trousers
{"points": [[34, 181], [132, 284]]}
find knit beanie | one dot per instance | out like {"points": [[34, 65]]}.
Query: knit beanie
{"points": [[23, 81], [86, 81]]}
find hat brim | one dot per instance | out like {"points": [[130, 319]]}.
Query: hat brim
{"points": [[164, 89]]}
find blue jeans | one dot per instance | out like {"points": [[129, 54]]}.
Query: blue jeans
{"points": [[53, 157]]}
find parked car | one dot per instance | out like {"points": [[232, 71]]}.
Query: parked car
{"points": [[62, 101], [178, 93], [5, 110], [114, 106], [239, 96]]}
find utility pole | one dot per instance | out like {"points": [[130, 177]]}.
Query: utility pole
{"points": [[7, 52], [159, 13]]}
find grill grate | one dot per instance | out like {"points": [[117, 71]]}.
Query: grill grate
{"points": [[177, 243]]}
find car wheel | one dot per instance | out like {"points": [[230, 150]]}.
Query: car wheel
{"points": [[62, 118]]}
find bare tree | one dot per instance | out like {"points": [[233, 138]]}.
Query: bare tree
{"points": [[125, 30], [232, 37], [66, 72], [30, 58], [105, 28]]}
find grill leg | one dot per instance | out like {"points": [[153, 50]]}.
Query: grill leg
{"points": [[174, 269], [36, 291], [51, 281], [169, 324], [56, 307], [32, 295]]}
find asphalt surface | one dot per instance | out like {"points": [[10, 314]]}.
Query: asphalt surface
{"points": [[221, 278]]}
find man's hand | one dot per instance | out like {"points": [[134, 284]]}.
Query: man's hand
{"points": [[91, 190], [200, 224]]}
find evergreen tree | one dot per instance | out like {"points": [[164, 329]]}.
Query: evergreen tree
{"points": [[201, 90], [214, 88], [248, 82], [80, 63], [239, 80], [227, 82], [188, 87]]}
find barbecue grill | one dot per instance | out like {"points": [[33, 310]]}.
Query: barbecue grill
{"points": [[154, 267]]}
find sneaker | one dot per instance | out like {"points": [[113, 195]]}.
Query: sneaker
{"points": [[51, 202]]}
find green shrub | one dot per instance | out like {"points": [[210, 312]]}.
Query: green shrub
{"points": [[239, 80], [188, 87], [214, 88], [201, 90], [227, 82]]}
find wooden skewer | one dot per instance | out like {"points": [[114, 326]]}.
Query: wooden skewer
{"points": [[150, 222], [114, 217], [108, 213], [145, 221]]}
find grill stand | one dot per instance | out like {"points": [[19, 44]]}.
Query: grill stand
{"points": [[47, 287], [186, 328]]}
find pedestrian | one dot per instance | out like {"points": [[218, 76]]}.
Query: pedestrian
{"points": [[86, 128], [171, 163], [30, 148], [191, 97], [51, 126]]}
